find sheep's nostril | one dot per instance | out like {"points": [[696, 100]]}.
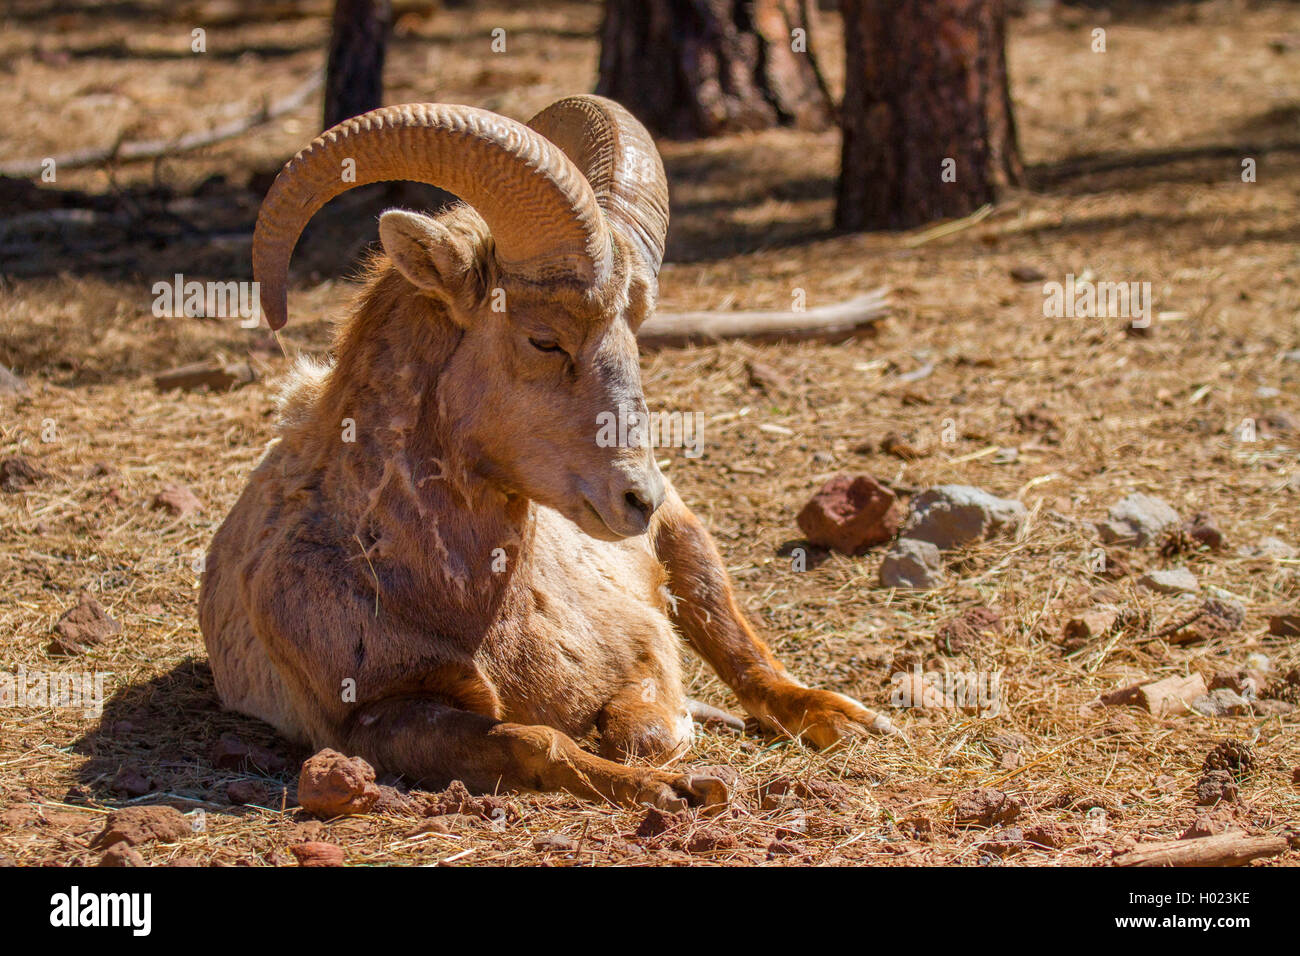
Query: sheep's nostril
{"points": [[635, 502]]}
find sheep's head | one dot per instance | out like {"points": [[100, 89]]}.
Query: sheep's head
{"points": [[548, 270]]}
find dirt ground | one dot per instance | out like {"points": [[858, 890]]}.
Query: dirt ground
{"points": [[1135, 159]]}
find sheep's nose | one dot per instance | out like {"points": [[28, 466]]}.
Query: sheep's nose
{"points": [[643, 498]]}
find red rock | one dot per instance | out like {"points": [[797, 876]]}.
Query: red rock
{"points": [[19, 474], [231, 753], [131, 783], [851, 514], [332, 785], [318, 854], [967, 630], [1284, 622], [1050, 835], [710, 840], [986, 807], [82, 626], [177, 499], [241, 792], [657, 821], [121, 854], [137, 825]]}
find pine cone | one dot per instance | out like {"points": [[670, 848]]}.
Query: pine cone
{"points": [[1234, 756]]}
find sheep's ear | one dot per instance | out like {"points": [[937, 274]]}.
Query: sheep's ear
{"points": [[431, 256]]}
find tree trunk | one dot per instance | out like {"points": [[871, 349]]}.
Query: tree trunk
{"points": [[690, 68], [928, 128], [354, 78]]}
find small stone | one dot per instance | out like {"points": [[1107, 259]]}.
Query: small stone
{"points": [[851, 514], [1091, 625], [1272, 708], [317, 853], [1284, 622], [244, 793], [1216, 786], [554, 843], [1172, 696], [1206, 824], [121, 854], [967, 631], [19, 474], [131, 783], [1053, 836], [332, 785], [82, 626], [765, 378], [11, 384], [1138, 520], [231, 753], [986, 807], [1222, 703], [898, 446], [137, 825], [1027, 274], [781, 848], [1171, 581], [912, 565], [656, 822], [1269, 548], [177, 500], [710, 840], [1202, 529], [949, 516]]}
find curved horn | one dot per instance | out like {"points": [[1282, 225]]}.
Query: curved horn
{"points": [[541, 211], [619, 159]]}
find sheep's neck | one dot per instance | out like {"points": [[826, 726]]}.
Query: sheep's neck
{"points": [[425, 526]]}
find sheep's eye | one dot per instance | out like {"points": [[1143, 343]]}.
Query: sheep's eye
{"points": [[545, 345]]}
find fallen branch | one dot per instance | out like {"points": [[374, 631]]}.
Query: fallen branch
{"points": [[1225, 849], [153, 149], [827, 323]]}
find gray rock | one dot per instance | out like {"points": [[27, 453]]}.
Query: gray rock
{"points": [[912, 565], [1138, 520], [949, 516], [11, 384], [1173, 581], [1269, 548], [1222, 703], [1272, 708]]}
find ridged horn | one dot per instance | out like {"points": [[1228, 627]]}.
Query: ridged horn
{"points": [[543, 214], [619, 159]]}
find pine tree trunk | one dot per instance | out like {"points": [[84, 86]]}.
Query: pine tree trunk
{"points": [[928, 127], [691, 68], [354, 77]]}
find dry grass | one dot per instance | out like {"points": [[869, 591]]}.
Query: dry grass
{"points": [[1155, 197]]}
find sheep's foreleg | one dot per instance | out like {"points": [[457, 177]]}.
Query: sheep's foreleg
{"points": [[703, 607]]}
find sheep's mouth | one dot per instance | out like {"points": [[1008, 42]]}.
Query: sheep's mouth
{"points": [[598, 528]]}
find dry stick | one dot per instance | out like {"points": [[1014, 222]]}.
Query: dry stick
{"points": [[1226, 849], [838, 322], [153, 149]]}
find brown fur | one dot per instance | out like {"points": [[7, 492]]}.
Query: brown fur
{"points": [[457, 593]]}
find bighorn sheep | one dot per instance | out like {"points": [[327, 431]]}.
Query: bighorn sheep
{"points": [[473, 583]]}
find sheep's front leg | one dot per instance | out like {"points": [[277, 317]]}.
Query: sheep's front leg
{"points": [[432, 743], [704, 609]]}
